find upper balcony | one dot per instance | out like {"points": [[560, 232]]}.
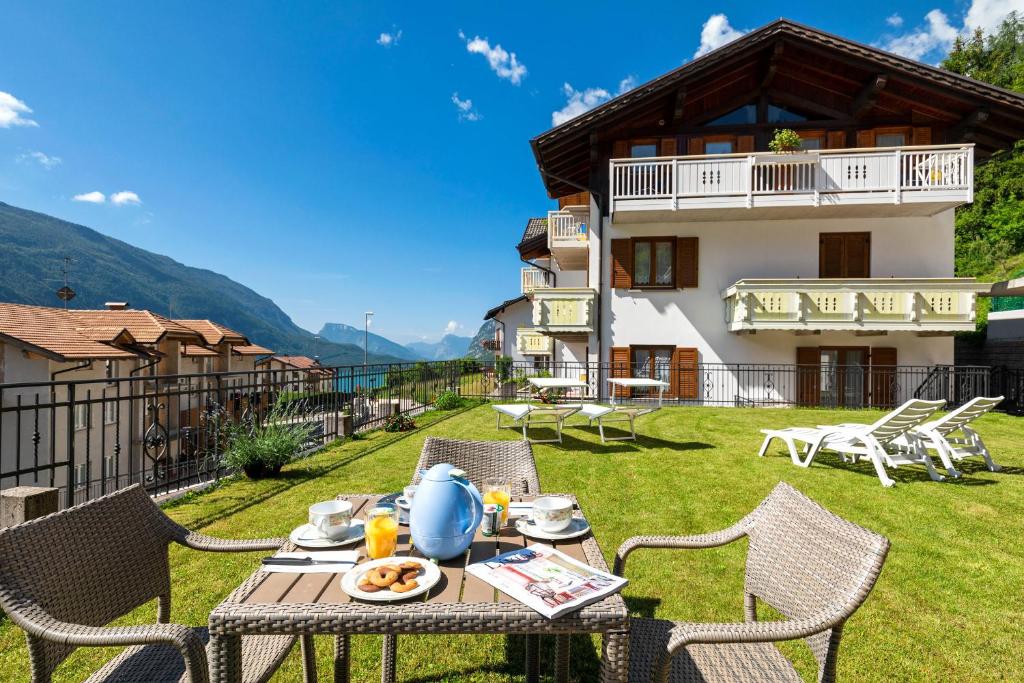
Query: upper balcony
{"points": [[533, 278], [889, 181], [923, 305], [564, 311], [567, 237]]}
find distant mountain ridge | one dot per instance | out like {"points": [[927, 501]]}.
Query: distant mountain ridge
{"points": [[451, 346], [107, 269], [476, 346], [347, 334]]}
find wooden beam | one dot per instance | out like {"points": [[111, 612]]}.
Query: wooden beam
{"points": [[679, 103], [803, 103], [967, 125], [772, 66], [867, 96]]}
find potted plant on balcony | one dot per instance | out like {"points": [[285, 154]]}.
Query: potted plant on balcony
{"points": [[262, 447], [784, 141]]}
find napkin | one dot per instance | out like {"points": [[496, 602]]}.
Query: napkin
{"points": [[333, 555], [520, 509]]}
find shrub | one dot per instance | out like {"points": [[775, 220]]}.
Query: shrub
{"points": [[262, 448], [448, 400], [399, 422], [784, 140]]}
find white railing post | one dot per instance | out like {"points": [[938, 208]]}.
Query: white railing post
{"points": [[898, 176], [750, 181]]}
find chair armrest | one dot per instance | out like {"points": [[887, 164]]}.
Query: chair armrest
{"points": [[711, 540], [199, 541]]}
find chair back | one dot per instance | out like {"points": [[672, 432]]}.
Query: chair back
{"points": [[509, 460], [805, 561], [965, 414], [902, 419], [88, 564]]}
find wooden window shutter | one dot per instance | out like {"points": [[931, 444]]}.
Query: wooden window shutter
{"points": [[620, 149], [695, 145], [744, 144], [922, 135], [622, 264], [858, 254], [620, 360], [687, 257], [865, 138], [808, 375], [836, 139], [667, 147], [883, 377], [683, 381], [830, 255]]}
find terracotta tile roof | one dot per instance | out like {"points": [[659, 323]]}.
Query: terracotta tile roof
{"points": [[193, 350], [60, 334], [214, 333], [146, 326], [298, 362], [251, 350]]}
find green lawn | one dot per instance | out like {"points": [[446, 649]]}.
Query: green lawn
{"points": [[947, 606]]}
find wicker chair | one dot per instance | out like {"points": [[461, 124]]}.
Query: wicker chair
{"points": [[807, 563], [508, 460], [66, 575]]}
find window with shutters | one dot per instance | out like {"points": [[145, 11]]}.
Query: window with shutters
{"points": [[844, 254], [643, 149], [654, 262], [719, 146]]}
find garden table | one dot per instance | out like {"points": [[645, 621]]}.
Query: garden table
{"points": [[314, 604]]}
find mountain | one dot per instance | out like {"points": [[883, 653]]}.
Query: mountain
{"points": [[346, 334], [106, 269], [450, 346], [476, 346]]}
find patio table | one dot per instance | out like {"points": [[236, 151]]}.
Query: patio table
{"points": [[314, 604]]}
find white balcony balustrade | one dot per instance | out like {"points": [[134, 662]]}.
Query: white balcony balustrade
{"points": [[564, 311], [567, 237], [855, 182], [926, 305], [533, 278]]}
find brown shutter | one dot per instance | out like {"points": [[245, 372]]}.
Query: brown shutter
{"points": [[830, 255], [883, 377], [619, 356], [668, 147], [622, 264], [745, 144], [836, 139], [865, 138], [683, 380], [923, 135], [695, 145], [620, 149], [687, 258], [808, 375], [858, 254]]}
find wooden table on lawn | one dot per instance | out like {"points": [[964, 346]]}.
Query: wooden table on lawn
{"points": [[269, 603]]}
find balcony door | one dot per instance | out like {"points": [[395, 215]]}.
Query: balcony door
{"points": [[843, 377], [844, 254]]}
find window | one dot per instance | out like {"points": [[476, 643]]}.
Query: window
{"points": [[781, 115], [81, 476], [81, 415], [844, 254], [745, 114], [653, 261], [643, 150], [109, 467], [654, 362], [109, 411], [811, 143], [890, 139], [718, 147]]}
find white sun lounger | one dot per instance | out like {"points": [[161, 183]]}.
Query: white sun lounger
{"points": [[526, 415], [622, 413], [889, 442]]}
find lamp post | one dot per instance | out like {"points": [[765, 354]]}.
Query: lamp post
{"points": [[366, 334]]}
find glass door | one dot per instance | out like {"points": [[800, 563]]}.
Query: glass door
{"points": [[842, 377]]}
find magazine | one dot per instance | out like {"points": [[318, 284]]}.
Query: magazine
{"points": [[546, 580]]}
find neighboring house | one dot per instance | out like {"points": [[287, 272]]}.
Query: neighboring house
{"points": [[292, 373], [703, 248]]}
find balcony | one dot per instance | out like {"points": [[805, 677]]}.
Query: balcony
{"points": [[564, 311], [567, 237], [891, 181], [531, 342], [533, 278], [923, 305]]}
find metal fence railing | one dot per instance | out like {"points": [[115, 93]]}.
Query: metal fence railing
{"points": [[90, 437]]}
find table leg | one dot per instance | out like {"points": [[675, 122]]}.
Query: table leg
{"points": [[388, 658], [615, 657], [225, 658], [308, 659], [532, 658], [562, 658], [342, 661]]}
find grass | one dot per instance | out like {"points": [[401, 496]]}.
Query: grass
{"points": [[947, 606]]}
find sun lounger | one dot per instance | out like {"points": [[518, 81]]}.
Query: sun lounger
{"points": [[526, 415]]}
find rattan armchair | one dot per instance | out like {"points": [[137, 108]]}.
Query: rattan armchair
{"points": [[808, 564], [65, 576], [509, 460]]}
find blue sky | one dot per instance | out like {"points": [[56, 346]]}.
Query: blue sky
{"points": [[341, 157]]}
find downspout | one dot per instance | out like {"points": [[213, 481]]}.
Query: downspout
{"points": [[84, 365]]}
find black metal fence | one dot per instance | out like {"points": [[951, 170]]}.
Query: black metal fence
{"points": [[92, 436]]}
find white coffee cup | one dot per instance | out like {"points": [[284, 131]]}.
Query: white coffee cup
{"points": [[552, 513], [331, 518]]}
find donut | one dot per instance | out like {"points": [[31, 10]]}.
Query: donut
{"points": [[410, 565], [409, 576], [368, 588], [382, 576], [404, 586]]}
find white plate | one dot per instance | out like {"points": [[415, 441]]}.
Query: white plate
{"points": [[577, 527], [430, 576], [305, 536]]}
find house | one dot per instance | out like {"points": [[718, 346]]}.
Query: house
{"points": [[292, 373], [686, 250]]}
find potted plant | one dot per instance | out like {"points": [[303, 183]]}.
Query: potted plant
{"points": [[262, 448], [784, 141]]}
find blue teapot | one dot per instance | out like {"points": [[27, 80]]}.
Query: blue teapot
{"points": [[445, 513]]}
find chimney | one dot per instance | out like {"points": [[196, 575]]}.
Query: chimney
{"points": [[116, 305]]}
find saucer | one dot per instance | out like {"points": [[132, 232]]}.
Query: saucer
{"points": [[577, 527], [304, 536]]}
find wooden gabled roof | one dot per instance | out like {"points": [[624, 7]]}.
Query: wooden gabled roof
{"points": [[839, 80]]}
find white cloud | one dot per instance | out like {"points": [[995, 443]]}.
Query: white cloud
{"points": [[894, 20], [988, 14], [465, 107], [503, 62], [452, 327], [935, 36], [11, 110], [93, 197], [44, 160], [389, 39], [580, 101], [124, 198], [715, 33]]}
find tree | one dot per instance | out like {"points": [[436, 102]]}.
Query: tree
{"points": [[997, 59]]}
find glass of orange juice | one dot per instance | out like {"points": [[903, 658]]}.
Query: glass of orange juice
{"points": [[381, 531], [498, 491]]}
